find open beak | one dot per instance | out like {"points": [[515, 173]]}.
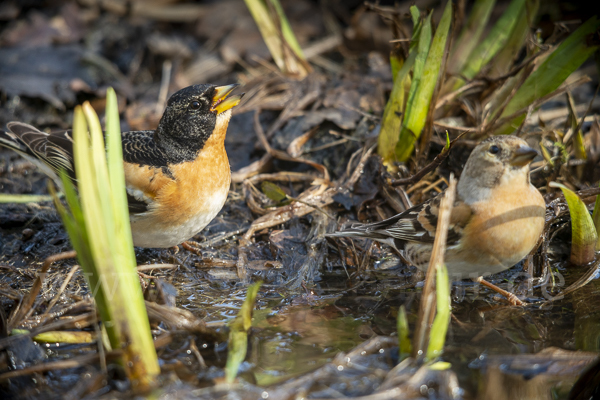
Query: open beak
{"points": [[523, 156], [222, 103]]}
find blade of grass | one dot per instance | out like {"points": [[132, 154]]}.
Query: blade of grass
{"points": [[107, 258], [287, 31], [596, 219], [75, 221], [493, 123], [440, 366], [116, 173], [91, 170], [422, 47], [466, 43], [24, 198], [99, 216], [287, 55], [404, 345], [75, 226], [426, 73], [123, 247], [505, 58], [415, 15], [140, 344], [392, 115], [396, 62], [498, 100], [563, 61], [494, 41], [437, 336], [584, 236], [427, 306], [546, 154], [391, 121], [273, 192], [267, 28], [470, 34], [504, 61], [577, 135], [64, 337], [238, 335]]}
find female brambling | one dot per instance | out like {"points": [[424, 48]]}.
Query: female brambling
{"points": [[496, 220], [177, 176]]}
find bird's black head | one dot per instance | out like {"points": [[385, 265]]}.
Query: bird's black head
{"points": [[190, 118]]}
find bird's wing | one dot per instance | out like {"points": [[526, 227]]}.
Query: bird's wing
{"points": [[139, 147], [140, 150], [417, 224], [52, 150]]}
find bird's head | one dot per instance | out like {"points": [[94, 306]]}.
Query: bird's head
{"points": [[496, 161], [193, 114]]}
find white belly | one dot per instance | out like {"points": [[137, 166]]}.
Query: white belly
{"points": [[147, 232]]}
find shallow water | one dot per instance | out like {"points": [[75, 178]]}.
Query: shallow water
{"points": [[297, 332]]}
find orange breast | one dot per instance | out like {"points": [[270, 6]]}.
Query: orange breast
{"points": [[148, 180], [506, 228], [197, 185]]}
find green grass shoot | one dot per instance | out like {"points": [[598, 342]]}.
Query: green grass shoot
{"points": [[407, 110], [98, 225], [577, 135], [274, 192], [495, 40], [505, 59], [392, 115], [404, 344], [584, 236], [24, 198], [437, 335], [425, 78], [596, 220], [563, 61], [470, 35], [279, 37], [238, 334]]}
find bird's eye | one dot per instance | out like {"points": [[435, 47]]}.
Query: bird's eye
{"points": [[194, 105], [494, 149]]}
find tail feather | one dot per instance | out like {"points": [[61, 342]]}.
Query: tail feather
{"points": [[12, 142], [346, 233], [49, 151], [361, 231], [366, 232]]}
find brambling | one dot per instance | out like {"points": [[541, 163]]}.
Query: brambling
{"points": [[497, 218], [177, 176]]}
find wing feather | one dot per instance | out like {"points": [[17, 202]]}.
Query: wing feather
{"points": [[417, 224], [55, 152]]}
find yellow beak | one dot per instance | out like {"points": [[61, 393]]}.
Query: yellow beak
{"points": [[221, 102]]}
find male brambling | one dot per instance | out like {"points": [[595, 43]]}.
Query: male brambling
{"points": [[496, 220], [177, 176]]}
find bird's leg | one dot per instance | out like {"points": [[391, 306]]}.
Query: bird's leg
{"points": [[192, 246], [512, 299]]}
